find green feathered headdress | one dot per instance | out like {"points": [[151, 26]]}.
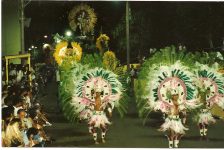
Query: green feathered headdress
{"points": [[210, 84], [160, 70]]}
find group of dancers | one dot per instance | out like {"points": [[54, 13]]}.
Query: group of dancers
{"points": [[172, 89], [175, 90]]}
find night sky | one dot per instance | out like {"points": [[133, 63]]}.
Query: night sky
{"points": [[50, 17], [165, 23]]}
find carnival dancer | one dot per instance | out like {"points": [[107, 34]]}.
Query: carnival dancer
{"points": [[173, 123], [96, 92], [205, 118], [169, 89], [99, 118], [210, 88]]}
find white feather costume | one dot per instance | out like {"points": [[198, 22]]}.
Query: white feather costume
{"points": [[209, 83], [173, 123], [165, 81], [96, 80]]}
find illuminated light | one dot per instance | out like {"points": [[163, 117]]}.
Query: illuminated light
{"points": [[32, 46], [68, 33], [45, 36], [46, 46]]}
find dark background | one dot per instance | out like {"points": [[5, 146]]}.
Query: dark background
{"points": [[153, 24]]}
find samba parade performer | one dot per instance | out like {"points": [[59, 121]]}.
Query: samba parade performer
{"points": [[99, 119], [96, 93], [175, 95], [168, 88], [210, 86]]}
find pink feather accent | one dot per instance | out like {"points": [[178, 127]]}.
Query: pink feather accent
{"points": [[161, 105], [85, 114], [85, 101], [217, 99], [192, 104], [98, 82], [109, 98], [81, 100], [213, 82]]}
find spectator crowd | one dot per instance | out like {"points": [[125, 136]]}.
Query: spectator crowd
{"points": [[23, 116]]}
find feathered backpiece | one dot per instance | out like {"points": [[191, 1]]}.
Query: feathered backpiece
{"points": [[163, 73], [210, 84], [162, 82], [212, 58], [68, 79], [96, 80], [168, 80]]}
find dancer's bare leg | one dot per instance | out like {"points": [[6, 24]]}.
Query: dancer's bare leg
{"points": [[94, 132], [171, 138], [103, 133], [201, 129], [205, 131], [177, 140]]}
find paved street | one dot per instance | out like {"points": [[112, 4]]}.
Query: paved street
{"points": [[128, 132]]}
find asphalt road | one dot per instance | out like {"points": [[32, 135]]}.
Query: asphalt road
{"points": [[127, 132]]}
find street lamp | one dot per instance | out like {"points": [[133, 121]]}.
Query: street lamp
{"points": [[68, 33], [127, 36], [22, 23], [46, 46], [45, 36]]}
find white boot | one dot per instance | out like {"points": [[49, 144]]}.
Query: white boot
{"points": [[170, 144], [201, 132], [103, 137], [205, 131], [176, 143], [90, 130], [95, 138]]}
